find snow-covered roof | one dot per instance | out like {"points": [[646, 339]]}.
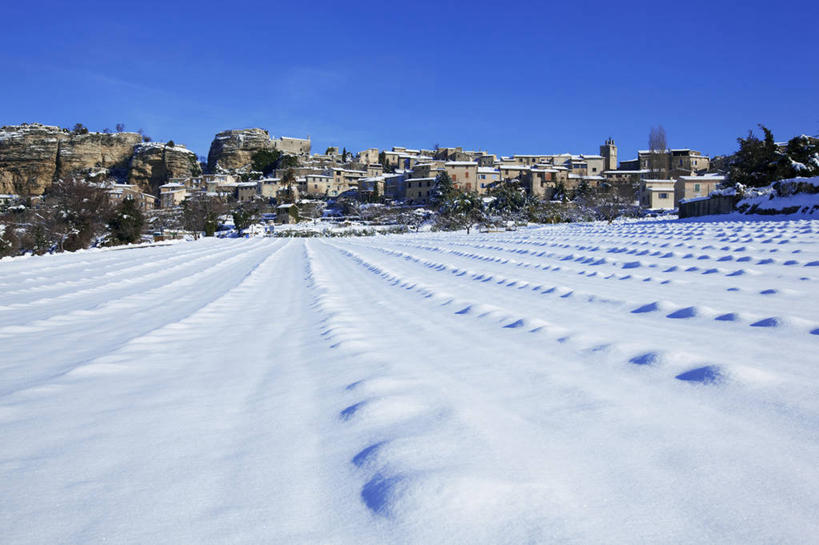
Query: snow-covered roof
{"points": [[704, 178], [461, 163]]}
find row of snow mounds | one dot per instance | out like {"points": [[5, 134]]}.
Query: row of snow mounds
{"points": [[406, 470], [508, 319], [388, 408], [138, 271], [537, 283], [104, 320], [426, 461], [85, 291], [784, 197], [437, 460]]}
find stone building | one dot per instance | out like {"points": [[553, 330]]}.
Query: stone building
{"points": [[689, 187], [464, 174], [119, 192], [292, 146], [609, 153], [657, 194]]}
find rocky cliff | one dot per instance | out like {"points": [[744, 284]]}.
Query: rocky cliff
{"points": [[32, 156], [234, 149], [154, 163], [28, 157], [98, 154]]}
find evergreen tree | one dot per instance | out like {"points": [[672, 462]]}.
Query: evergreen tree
{"points": [[444, 190], [801, 158], [265, 161], [559, 192], [582, 189], [287, 180], [126, 222], [756, 162], [244, 215]]}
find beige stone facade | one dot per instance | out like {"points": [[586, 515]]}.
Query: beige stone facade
{"points": [[688, 187], [368, 156], [419, 190], [292, 146], [464, 174], [657, 194], [119, 192], [171, 195]]}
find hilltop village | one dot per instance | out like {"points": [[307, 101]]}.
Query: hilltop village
{"points": [[409, 175], [248, 164], [64, 189]]}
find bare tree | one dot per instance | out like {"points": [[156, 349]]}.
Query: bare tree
{"points": [[120, 127], [658, 159], [200, 213]]}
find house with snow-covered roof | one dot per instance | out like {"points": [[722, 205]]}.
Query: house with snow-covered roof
{"points": [[657, 194], [119, 192], [487, 177], [419, 190], [689, 187], [464, 174], [172, 194]]}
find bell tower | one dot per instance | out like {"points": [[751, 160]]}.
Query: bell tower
{"points": [[609, 153]]}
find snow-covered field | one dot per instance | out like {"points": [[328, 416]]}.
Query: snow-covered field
{"points": [[645, 382]]}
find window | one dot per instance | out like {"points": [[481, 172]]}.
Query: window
{"points": [[696, 188], [429, 184], [483, 176], [466, 174], [663, 195], [454, 177]]}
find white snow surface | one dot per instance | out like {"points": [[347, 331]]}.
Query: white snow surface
{"points": [[642, 382]]}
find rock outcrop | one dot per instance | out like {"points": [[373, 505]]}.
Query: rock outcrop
{"points": [[154, 163], [28, 157], [97, 154], [33, 156], [234, 149]]}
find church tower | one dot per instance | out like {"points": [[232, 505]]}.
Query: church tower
{"points": [[609, 153]]}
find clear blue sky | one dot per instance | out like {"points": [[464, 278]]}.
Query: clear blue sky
{"points": [[509, 77]]}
